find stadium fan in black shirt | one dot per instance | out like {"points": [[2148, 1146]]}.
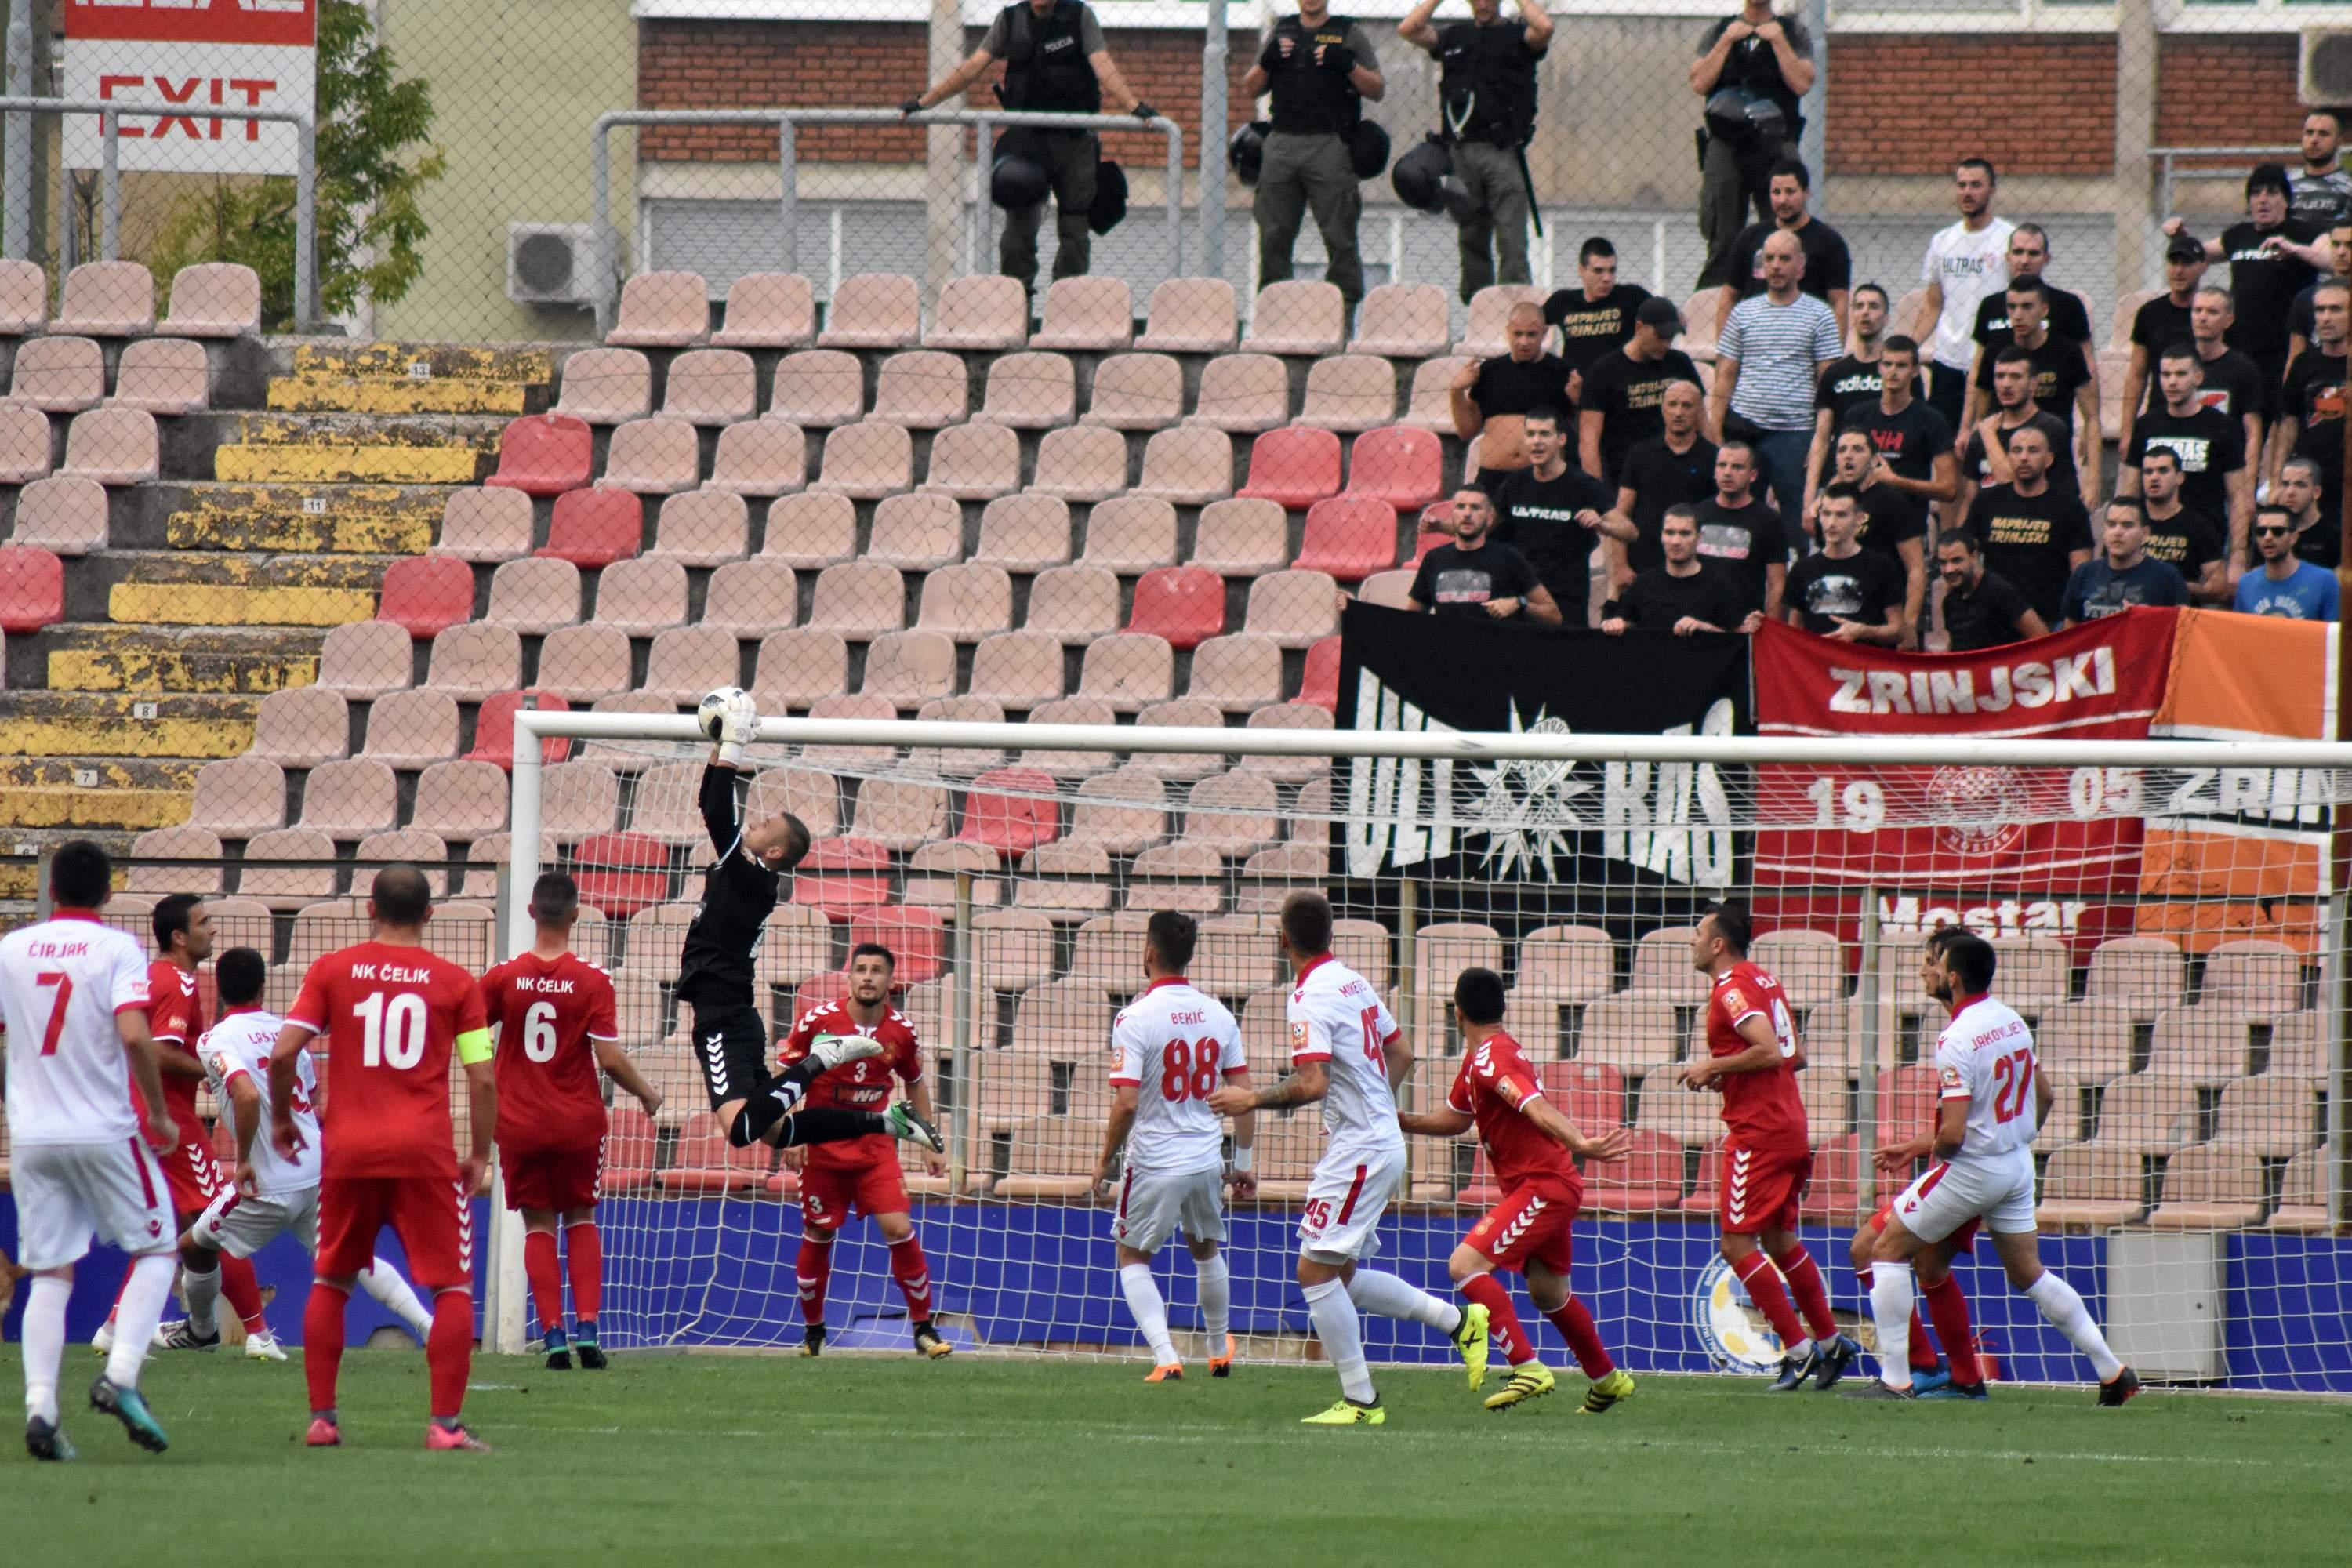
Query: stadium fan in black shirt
{"points": [[2064, 386], [1980, 608], [2295, 492], [2233, 383], [1555, 515], [2162, 320], [1617, 404], [1491, 396], [2028, 255], [1599, 316], [1983, 457], [1913, 441], [2185, 537], [2272, 257], [1843, 591], [2298, 315], [2311, 405], [1476, 576], [1671, 468], [1684, 593], [1890, 525], [1737, 531], [1851, 381], [715, 972], [2208, 448], [2035, 532], [1829, 265]]}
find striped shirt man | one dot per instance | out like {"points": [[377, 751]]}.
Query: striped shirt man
{"points": [[1780, 349]]}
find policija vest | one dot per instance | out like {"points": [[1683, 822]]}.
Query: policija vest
{"points": [[1045, 65], [1308, 100], [1486, 84]]}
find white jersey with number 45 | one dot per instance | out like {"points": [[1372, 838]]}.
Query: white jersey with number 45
{"points": [[1336, 1018], [240, 1046], [1986, 1055], [1176, 1045], [61, 984]]}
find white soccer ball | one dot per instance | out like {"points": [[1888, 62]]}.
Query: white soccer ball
{"points": [[712, 717]]}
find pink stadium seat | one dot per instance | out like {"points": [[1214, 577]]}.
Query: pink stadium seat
{"points": [[1320, 685], [1292, 770], [984, 313], [474, 661], [859, 599], [760, 457], [494, 728], [800, 667], [594, 528], [1349, 537], [1350, 393], [543, 455], [687, 661], [843, 876], [1190, 466], [974, 462], [621, 873], [811, 530], [368, 658], [461, 800], [410, 729], [1139, 821], [1490, 309], [1194, 712], [958, 761], [25, 443], [1236, 814], [1298, 318], [710, 386], [1293, 468], [1019, 670], [705, 528], [58, 375], [1295, 608], [176, 843], [214, 300], [484, 525], [107, 299], [578, 799], [607, 386], [662, 310], [1191, 315], [1030, 392], [967, 602], [1403, 320], [534, 596], [1010, 811], [1025, 533], [1243, 395], [1243, 538], [902, 815], [1399, 465], [1083, 464], [1137, 391], [163, 375], [301, 727], [1185, 605], [1236, 674], [916, 533], [1130, 671], [750, 597], [23, 298], [658, 455], [1087, 314], [866, 461], [819, 388], [350, 798], [873, 311], [426, 593], [68, 515], [1076, 604], [1430, 405], [640, 597], [585, 662], [239, 796], [910, 668], [923, 389], [768, 310], [1090, 711], [288, 887], [114, 446], [1130, 534]]}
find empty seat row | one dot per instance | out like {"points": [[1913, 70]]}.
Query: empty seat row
{"points": [[67, 375], [117, 299]]}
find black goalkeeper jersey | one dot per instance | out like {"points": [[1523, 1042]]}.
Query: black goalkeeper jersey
{"points": [[739, 893]]}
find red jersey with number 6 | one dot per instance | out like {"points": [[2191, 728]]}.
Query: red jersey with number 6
{"points": [[1762, 1110], [548, 1012], [1493, 1083], [859, 1085], [391, 1017]]}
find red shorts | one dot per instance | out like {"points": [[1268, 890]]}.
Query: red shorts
{"points": [[192, 1173], [555, 1178], [1530, 1225], [1961, 1240], [431, 1215], [832, 1188], [1762, 1188]]}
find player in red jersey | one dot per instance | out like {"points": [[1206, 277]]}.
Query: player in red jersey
{"points": [[554, 1018], [862, 1173], [1528, 1144], [394, 1012], [1753, 1058]]}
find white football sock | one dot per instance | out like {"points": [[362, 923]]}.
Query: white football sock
{"points": [[1150, 1312], [1386, 1296], [2062, 1305], [382, 1281], [1216, 1299], [45, 1344], [202, 1292], [1342, 1333], [143, 1295], [1890, 1304]]}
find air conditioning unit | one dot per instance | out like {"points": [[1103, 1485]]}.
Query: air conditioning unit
{"points": [[2326, 67], [551, 263]]}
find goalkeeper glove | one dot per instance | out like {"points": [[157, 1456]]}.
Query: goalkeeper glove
{"points": [[738, 729]]}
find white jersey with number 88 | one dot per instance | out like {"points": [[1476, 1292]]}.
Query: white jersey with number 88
{"points": [[1337, 1018], [1175, 1045]]}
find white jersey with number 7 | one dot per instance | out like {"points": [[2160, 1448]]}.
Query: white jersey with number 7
{"points": [[61, 984], [1986, 1055], [1336, 1018]]}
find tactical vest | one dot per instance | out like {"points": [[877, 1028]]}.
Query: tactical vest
{"points": [[1045, 65], [1308, 100], [1486, 84]]}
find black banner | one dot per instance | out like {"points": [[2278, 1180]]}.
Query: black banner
{"points": [[1563, 836]]}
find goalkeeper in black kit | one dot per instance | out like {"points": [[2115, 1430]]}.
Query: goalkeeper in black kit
{"points": [[756, 1105]]}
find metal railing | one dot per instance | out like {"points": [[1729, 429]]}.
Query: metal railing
{"points": [[19, 176], [786, 121], [2170, 173]]}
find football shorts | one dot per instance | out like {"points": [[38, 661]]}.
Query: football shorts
{"points": [[556, 1178], [1155, 1204], [241, 1226], [1952, 1192], [730, 1041], [1963, 1239], [1346, 1197], [834, 1188], [65, 1191], [193, 1174], [1762, 1188], [432, 1215], [1532, 1224]]}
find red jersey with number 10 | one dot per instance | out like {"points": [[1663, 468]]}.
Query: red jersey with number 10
{"points": [[175, 1017], [548, 1012], [1762, 1110], [391, 1017], [1492, 1084]]}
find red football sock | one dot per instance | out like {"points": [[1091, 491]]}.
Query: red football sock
{"points": [[1922, 1355], [1502, 1318], [1574, 1321], [322, 1341], [449, 1351], [1804, 1278], [243, 1292], [584, 1256], [539, 1266], [914, 1276], [1754, 1271], [814, 1268], [1949, 1308]]}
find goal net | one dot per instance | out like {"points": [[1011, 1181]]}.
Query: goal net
{"points": [[2159, 878]]}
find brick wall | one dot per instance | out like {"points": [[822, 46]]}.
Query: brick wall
{"points": [[2217, 91], [1913, 104], [767, 65]]}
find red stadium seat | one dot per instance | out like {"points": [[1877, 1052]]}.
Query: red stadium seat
{"points": [[1649, 1180], [1907, 1103], [424, 595], [707, 1163], [815, 992], [1320, 686], [621, 873], [628, 1151], [33, 588], [543, 455], [843, 877], [1012, 825], [1293, 467], [594, 528], [1399, 465], [1436, 528], [1350, 537], [917, 937], [494, 729], [1186, 604], [1590, 1094], [1835, 1195]]}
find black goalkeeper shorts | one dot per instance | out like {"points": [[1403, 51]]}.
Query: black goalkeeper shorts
{"points": [[730, 1041]]}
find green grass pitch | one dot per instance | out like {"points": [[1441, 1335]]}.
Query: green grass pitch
{"points": [[852, 1459]]}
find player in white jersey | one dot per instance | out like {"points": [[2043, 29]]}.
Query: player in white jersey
{"points": [[1171, 1048], [273, 1194], [1991, 1100], [1347, 1051], [73, 1000]]}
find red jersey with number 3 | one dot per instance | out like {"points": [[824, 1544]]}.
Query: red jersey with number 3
{"points": [[1493, 1083], [175, 1017], [391, 1016], [855, 1086], [549, 1012], [1762, 1110]]}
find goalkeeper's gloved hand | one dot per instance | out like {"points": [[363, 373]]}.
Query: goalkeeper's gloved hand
{"points": [[738, 730]]}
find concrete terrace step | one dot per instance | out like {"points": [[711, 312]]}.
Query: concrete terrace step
{"points": [[105, 793], [181, 588], [344, 449], [155, 659], [337, 518], [528, 363], [374, 394], [93, 725]]}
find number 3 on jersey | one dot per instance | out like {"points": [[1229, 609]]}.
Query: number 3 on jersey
{"points": [[1188, 1072], [394, 1030]]}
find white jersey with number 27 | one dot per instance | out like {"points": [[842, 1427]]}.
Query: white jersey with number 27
{"points": [[61, 984], [1175, 1046], [1985, 1055], [1336, 1018], [240, 1046]]}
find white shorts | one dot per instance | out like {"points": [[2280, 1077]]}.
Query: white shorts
{"points": [[1155, 1204], [1345, 1200], [65, 1191], [242, 1226], [1999, 1190]]}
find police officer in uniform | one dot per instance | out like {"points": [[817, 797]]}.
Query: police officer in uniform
{"points": [[1056, 62], [1486, 97], [1320, 68], [1751, 70]]}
